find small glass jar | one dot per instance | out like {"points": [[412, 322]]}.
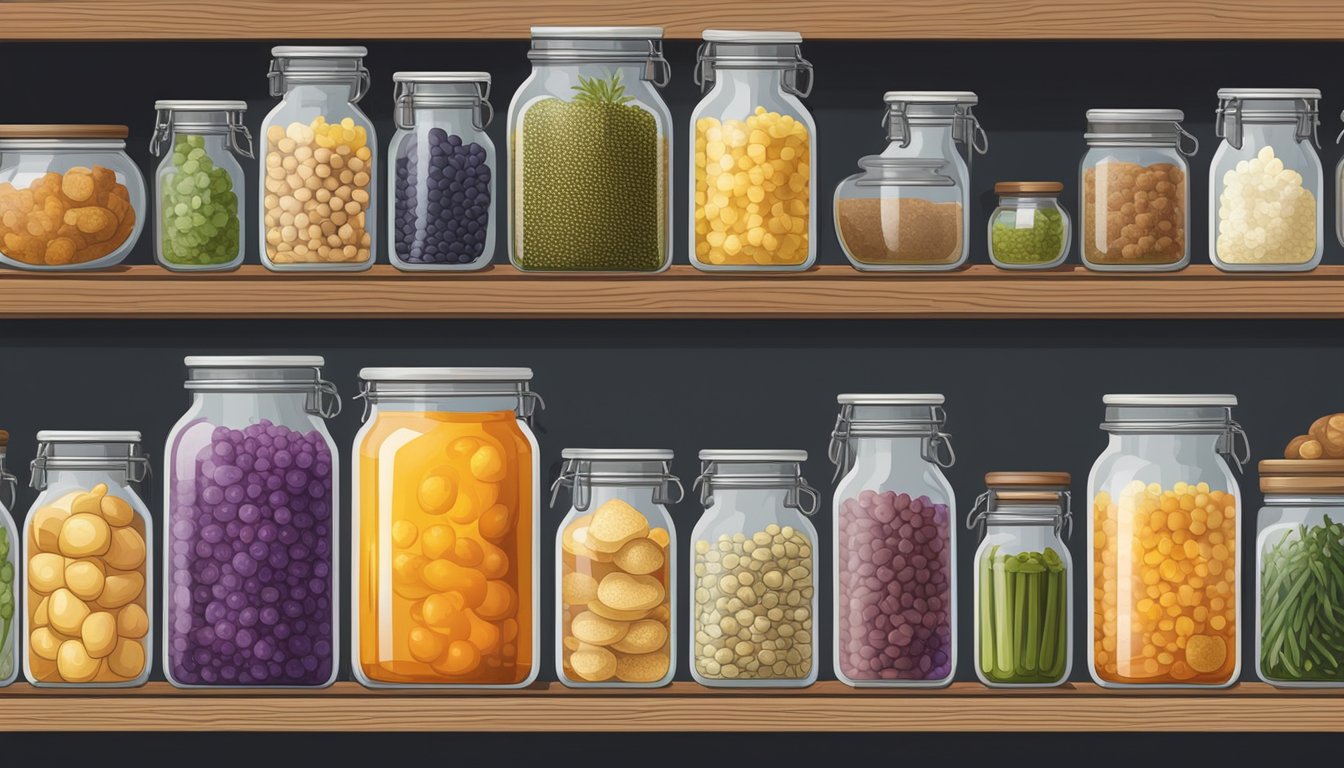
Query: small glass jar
{"points": [[251, 520], [70, 197], [88, 579], [754, 194], [1136, 168], [1029, 229], [754, 501], [9, 570], [197, 210], [590, 154], [446, 513], [1299, 541], [319, 195], [895, 594], [616, 573], [901, 214], [441, 172], [1023, 580], [1266, 182], [1165, 481]]}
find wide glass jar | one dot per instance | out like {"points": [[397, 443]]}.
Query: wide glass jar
{"points": [[616, 573], [70, 197], [1029, 229], [441, 172], [9, 570], [446, 515], [1163, 536], [901, 213], [1023, 580], [895, 592], [754, 192], [198, 211], [1265, 182], [1299, 567], [1135, 195], [88, 579], [753, 565], [319, 196], [251, 522], [591, 145]]}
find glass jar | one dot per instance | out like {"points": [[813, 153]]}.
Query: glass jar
{"points": [[616, 574], [1298, 641], [754, 200], [250, 558], [1023, 580], [901, 214], [590, 152], [446, 514], [441, 172], [88, 580], [1163, 537], [70, 197], [197, 209], [1135, 165], [9, 569], [1265, 181], [1029, 229], [895, 544], [754, 501], [935, 124], [319, 197]]}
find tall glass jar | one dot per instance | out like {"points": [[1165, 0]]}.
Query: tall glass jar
{"points": [[1163, 537], [1029, 229], [70, 197], [754, 199], [446, 514], [1135, 194], [901, 213], [88, 579], [753, 566], [616, 574], [198, 211], [250, 554], [1023, 580], [441, 172], [1298, 551], [9, 570], [319, 199], [591, 142], [895, 590], [1265, 182]]}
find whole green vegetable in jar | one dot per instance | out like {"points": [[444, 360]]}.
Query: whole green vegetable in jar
{"points": [[1022, 619], [7, 606], [1301, 620], [198, 208]]}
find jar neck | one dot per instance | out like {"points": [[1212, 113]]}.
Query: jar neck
{"points": [[321, 93], [1011, 201], [1279, 133], [288, 408], [768, 79], [889, 450], [427, 403], [215, 143]]}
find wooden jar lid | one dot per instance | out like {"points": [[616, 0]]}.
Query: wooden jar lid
{"points": [[63, 131], [1305, 476]]}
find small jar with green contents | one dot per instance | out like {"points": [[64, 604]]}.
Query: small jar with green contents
{"points": [[197, 210], [1029, 229]]}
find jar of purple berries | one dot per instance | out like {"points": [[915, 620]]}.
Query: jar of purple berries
{"points": [[441, 173], [895, 580], [251, 553]]}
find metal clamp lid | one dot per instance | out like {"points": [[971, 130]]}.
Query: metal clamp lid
{"points": [[236, 136], [934, 442], [657, 70], [708, 59], [323, 398], [1227, 429], [966, 128], [986, 510], [529, 402], [1231, 114], [136, 465], [279, 76], [406, 101], [800, 496], [578, 475], [11, 482]]}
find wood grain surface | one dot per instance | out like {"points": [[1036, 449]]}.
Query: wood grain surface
{"points": [[843, 19], [826, 706], [682, 292]]}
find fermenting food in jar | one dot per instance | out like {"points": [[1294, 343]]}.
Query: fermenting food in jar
{"points": [[1023, 617], [1265, 214]]}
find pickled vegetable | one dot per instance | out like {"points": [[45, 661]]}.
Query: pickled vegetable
{"points": [[1022, 617], [1301, 594]]}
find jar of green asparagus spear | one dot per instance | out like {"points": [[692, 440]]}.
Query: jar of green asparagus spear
{"points": [[1023, 590]]}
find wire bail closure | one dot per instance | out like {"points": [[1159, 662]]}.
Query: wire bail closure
{"points": [[12, 483], [323, 398], [1229, 432], [1231, 114], [579, 477], [280, 76], [934, 441], [707, 59], [136, 466], [985, 508], [406, 101], [967, 132], [529, 402], [237, 137], [799, 496], [656, 70]]}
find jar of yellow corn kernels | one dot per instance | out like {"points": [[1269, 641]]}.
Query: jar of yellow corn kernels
{"points": [[319, 196], [1163, 537], [754, 201]]}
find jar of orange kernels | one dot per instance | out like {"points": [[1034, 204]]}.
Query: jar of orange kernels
{"points": [[1163, 536], [444, 529]]}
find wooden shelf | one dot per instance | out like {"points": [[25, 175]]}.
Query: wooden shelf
{"points": [[843, 19], [1198, 292], [826, 706]]}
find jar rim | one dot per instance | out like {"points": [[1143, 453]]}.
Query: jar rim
{"points": [[1171, 400], [618, 454], [752, 36], [1123, 115], [890, 399], [445, 374], [196, 105], [254, 361], [752, 455], [597, 33], [319, 51], [440, 77], [1268, 94], [931, 97], [88, 436]]}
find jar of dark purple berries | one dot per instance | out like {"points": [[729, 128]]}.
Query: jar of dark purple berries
{"points": [[895, 581], [442, 172], [251, 555]]}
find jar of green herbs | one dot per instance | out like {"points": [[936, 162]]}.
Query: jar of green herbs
{"points": [[1029, 229]]}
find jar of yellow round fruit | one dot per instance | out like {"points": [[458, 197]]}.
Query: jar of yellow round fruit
{"points": [[444, 529], [1163, 533], [88, 584]]}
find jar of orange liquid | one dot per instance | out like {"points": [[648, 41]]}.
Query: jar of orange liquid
{"points": [[444, 530]]}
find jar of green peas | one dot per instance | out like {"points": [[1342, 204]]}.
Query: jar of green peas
{"points": [[197, 211], [1029, 229]]}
